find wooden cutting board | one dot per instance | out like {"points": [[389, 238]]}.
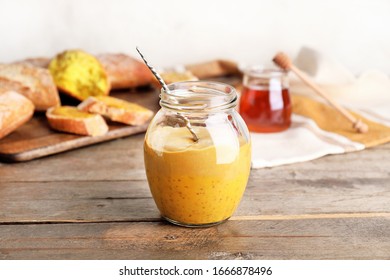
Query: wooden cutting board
{"points": [[35, 139]]}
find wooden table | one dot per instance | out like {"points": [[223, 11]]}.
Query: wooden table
{"points": [[94, 203]]}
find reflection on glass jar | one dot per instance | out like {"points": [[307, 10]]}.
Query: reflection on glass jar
{"points": [[197, 183], [265, 100]]}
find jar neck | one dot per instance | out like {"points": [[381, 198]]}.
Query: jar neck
{"points": [[260, 77], [199, 97]]}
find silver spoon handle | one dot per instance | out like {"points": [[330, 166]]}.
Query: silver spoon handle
{"points": [[157, 75], [166, 89]]}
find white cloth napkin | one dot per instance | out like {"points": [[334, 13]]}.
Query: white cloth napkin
{"points": [[368, 95], [303, 141]]}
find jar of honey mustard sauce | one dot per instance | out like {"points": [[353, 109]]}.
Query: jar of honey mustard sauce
{"points": [[197, 183]]}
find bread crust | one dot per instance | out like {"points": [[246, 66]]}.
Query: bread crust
{"points": [[124, 71], [40, 62], [79, 74], [15, 110], [137, 116], [34, 83], [91, 126]]}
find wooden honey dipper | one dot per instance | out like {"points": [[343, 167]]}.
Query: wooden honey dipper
{"points": [[283, 61]]}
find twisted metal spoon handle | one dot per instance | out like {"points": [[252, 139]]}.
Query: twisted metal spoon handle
{"points": [[166, 89], [157, 75]]}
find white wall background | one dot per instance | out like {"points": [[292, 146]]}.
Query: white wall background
{"points": [[171, 32]]}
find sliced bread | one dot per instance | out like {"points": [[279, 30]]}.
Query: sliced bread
{"points": [[70, 119], [117, 109]]}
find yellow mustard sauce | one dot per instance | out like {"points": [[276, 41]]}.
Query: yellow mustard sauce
{"points": [[195, 183], [120, 104], [69, 111]]}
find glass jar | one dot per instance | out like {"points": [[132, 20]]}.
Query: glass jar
{"points": [[197, 183], [265, 103]]}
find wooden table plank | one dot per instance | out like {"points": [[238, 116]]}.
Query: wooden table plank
{"points": [[72, 187], [77, 202], [122, 159], [81, 201], [357, 238], [127, 156], [94, 203]]}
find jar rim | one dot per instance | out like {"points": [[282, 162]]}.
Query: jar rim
{"points": [[263, 71], [199, 96]]}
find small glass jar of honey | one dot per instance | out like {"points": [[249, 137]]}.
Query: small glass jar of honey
{"points": [[265, 103]]}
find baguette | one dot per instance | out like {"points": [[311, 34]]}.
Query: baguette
{"points": [[117, 110], [15, 110], [70, 119], [40, 62], [79, 74], [34, 83], [124, 71]]}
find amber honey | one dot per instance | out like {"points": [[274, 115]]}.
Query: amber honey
{"points": [[265, 103], [265, 110]]}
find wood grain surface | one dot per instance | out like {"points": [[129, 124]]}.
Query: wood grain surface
{"points": [[94, 203], [280, 239]]}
